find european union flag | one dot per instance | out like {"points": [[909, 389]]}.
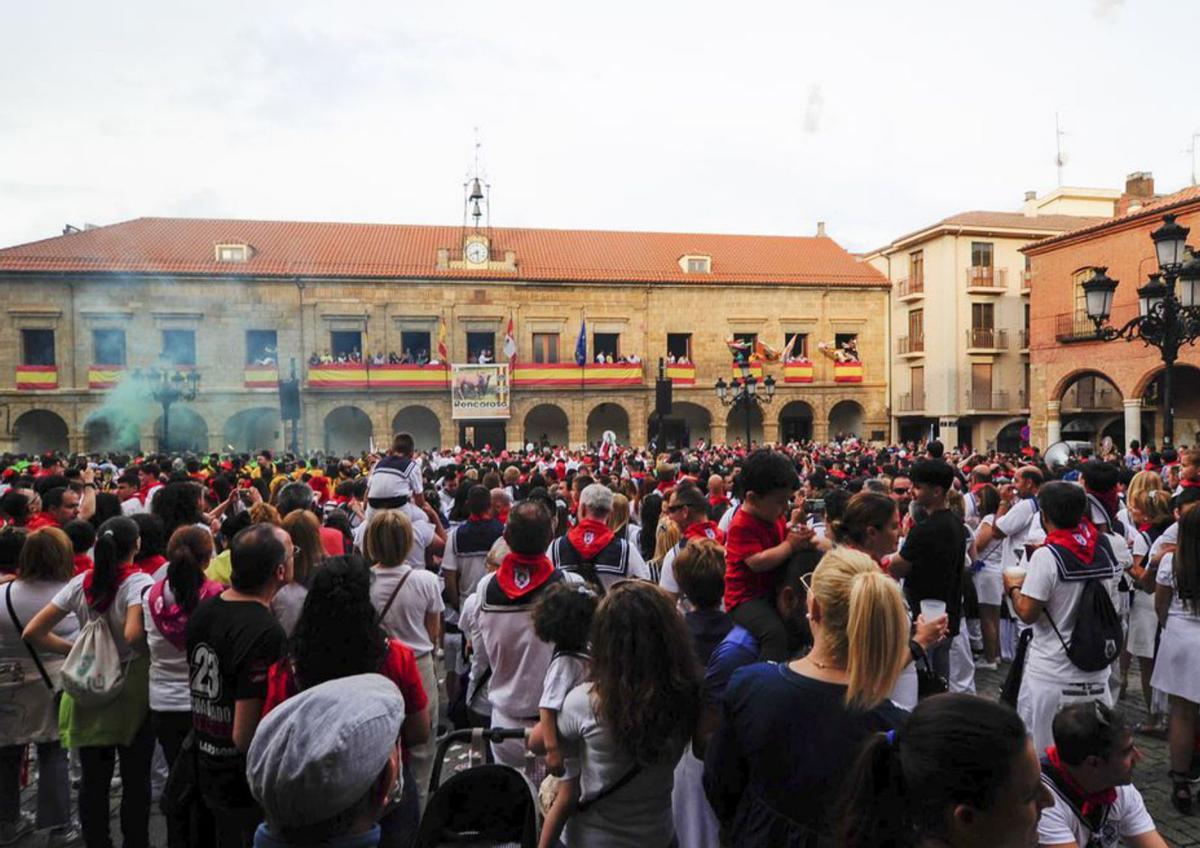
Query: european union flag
{"points": [[581, 344]]}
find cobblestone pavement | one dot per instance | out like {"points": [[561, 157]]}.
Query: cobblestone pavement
{"points": [[1150, 776]]}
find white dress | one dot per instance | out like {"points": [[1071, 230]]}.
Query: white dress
{"points": [[1177, 668]]}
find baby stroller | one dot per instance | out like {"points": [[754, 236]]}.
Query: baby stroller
{"points": [[485, 806]]}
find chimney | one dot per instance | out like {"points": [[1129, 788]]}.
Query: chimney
{"points": [[820, 229], [1140, 184]]}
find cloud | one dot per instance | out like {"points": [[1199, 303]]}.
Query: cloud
{"points": [[1106, 9]]}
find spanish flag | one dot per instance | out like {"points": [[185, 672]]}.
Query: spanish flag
{"points": [[32, 378], [443, 355]]}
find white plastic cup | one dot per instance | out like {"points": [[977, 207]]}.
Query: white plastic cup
{"points": [[933, 609], [1017, 572]]}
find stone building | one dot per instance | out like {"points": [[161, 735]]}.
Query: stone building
{"points": [[1083, 390], [960, 317], [229, 299]]}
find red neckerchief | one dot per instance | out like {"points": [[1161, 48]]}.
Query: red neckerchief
{"points": [[1190, 484], [1109, 500], [705, 530], [479, 519], [520, 574], [1089, 802], [144, 492], [589, 537], [1081, 541], [664, 487], [149, 564], [1144, 527], [101, 603], [40, 520], [717, 500]]}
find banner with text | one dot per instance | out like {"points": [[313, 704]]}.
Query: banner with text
{"points": [[479, 391]]}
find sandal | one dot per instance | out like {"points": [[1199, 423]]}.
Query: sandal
{"points": [[1152, 728], [1181, 793]]}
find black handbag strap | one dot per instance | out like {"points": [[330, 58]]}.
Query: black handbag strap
{"points": [[608, 790], [12, 613], [395, 592]]}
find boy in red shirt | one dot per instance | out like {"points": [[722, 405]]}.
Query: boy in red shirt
{"points": [[758, 542]]}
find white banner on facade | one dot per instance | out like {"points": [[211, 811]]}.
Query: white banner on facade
{"points": [[479, 391]]}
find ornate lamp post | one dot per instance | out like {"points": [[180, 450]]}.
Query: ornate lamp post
{"points": [[744, 393], [1167, 318], [166, 387]]}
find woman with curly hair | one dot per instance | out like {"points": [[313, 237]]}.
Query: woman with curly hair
{"points": [[178, 504], [630, 723], [339, 635]]}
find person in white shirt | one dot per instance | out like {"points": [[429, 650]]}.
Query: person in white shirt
{"points": [[1017, 520], [1089, 773], [1051, 591]]}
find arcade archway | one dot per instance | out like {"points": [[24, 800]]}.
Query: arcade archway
{"points": [[546, 424], [41, 431], [846, 419], [347, 430], [253, 430], [421, 424], [608, 416]]}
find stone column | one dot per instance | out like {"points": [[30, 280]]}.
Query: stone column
{"points": [[1133, 420], [717, 432], [1053, 423], [576, 426], [770, 427]]}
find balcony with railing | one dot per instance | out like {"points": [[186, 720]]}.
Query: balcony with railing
{"points": [[987, 339], [910, 402], [1023, 339], [987, 401], [910, 345], [1074, 327], [1026, 282], [986, 279], [911, 289], [1023, 399]]}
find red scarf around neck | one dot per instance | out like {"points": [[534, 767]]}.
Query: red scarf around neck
{"points": [[1108, 500], [1189, 484], [520, 574], [479, 519], [705, 530], [1081, 541], [589, 537], [1089, 802], [100, 603]]}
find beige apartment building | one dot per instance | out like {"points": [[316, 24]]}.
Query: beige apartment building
{"points": [[960, 307]]}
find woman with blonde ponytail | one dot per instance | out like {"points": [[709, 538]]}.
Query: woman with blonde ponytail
{"points": [[788, 733]]}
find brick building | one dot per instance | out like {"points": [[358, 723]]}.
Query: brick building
{"points": [[222, 297], [1083, 390]]}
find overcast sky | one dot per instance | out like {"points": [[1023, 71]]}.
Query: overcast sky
{"points": [[877, 117]]}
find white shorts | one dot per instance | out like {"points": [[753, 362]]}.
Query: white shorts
{"points": [[989, 585], [1040, 700]]}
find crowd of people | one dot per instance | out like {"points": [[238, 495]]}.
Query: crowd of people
{"points": [[406, 357], [710, 646]]}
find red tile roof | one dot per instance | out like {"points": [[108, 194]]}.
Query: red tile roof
{"points": [[1033, 225], [292, 248], [1157, 206]]}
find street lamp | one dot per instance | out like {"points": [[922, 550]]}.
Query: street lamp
{"points": [[1166, 320], [744, 393], [166, 387]]}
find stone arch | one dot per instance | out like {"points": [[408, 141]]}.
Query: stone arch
{"points": [[421, 423], [1065, 384], [547, 423], [846, 418], [41, 431], [105, 433], [347, 430], [608, 416], [1008, 437], [188, 431], [687, 424], [796, 421], [735, 425], [255, 429]]}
